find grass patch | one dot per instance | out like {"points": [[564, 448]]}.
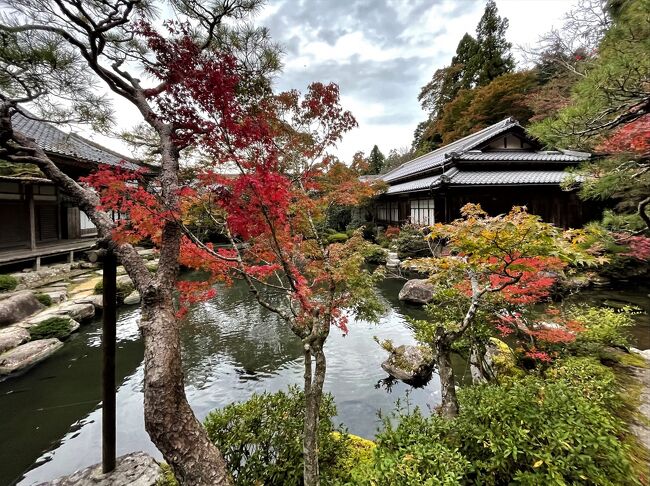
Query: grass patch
{"points": [[54, 327], [44, 299], [7, 283]]}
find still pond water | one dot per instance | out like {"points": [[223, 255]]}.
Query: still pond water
{"points": [[50, 421]]}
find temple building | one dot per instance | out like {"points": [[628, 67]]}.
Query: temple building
{"points": [[37, 220], [498, 167]]}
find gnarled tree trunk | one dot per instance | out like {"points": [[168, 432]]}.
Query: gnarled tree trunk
{"points": [[169, 420], [449, 406]]}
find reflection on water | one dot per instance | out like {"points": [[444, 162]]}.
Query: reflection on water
{"points": [[51, 416]]}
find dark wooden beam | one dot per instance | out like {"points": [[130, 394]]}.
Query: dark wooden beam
{"points": [[109, 277]]}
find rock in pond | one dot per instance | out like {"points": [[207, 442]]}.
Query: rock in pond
{"points": [[27, 355], [135, 469], [18, 306], [417, 291], [13, 336], [77, 310], [133, 298], [411, 364]]}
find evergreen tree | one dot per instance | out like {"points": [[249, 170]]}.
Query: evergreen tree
{"points": [[448, 81], [493, 57], [375, 161]]}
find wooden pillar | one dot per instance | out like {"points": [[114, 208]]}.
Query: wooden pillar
{"points": [[32, 217], [109, 277]]}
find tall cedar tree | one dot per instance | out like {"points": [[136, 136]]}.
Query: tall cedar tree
{"points": [[375, 161], [54, 54], [477, 63], [493, 57]]}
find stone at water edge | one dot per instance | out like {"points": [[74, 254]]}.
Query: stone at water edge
{"points": [[410, 364], [417, 291], [11, 337], [135, 469], [18, 306], [27, 355], [133, 298], [77, 310]]}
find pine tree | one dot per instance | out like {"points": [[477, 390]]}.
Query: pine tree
{"points": [[493, 57]]}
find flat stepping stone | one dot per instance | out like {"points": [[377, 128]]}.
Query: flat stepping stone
{"points": [[27, 355], [135, 469], [11, 337], [133, 298]]}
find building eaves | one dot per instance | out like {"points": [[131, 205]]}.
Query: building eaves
{"points": [[513, 156], [437, 157], [417, 185], [507, 177], [55, 141]]}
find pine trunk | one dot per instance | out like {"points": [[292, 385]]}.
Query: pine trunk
{"points": [[169, 420]]}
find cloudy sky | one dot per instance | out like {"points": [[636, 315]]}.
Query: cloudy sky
{"points": [[381, 52]]}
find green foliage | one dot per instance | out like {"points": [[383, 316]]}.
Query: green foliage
{"points": [[54, 327], [375, 254], [411, 242], [603, 326], [357, 453], [587, 375], [413, 453], [493, 57], [337, 238], [7, 283], [536, 432], [168, 478], [261, 439], [615, 81], [532, 431], [44, 299], [375, 161]]}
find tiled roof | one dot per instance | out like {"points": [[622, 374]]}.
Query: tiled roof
{"points": [[513, 156], [416, 185], [438, 156], [56, 141], [496, 177]]}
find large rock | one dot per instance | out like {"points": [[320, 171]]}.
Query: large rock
{"points": [[411, 364], [133, 298], [13, 336], [97, 300], [77, 310], [27, 355], [417, 291], [18, 306], [135, 469]]}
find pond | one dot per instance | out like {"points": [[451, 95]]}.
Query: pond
{"points": [[51, 416]]}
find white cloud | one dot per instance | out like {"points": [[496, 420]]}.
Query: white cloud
{"points": [[380, 52]]}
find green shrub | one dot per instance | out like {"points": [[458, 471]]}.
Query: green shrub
{"points": [[536, 432], [337, 238], [413, 453], [375, 254], [411, 242], [588, 377], [54, 327], [531, 431], [99, 287], [603, 325], [44, 299], [7, 283], [261, 439]]}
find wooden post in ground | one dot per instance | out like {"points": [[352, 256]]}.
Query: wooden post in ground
{"points": [[109, 298]]}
